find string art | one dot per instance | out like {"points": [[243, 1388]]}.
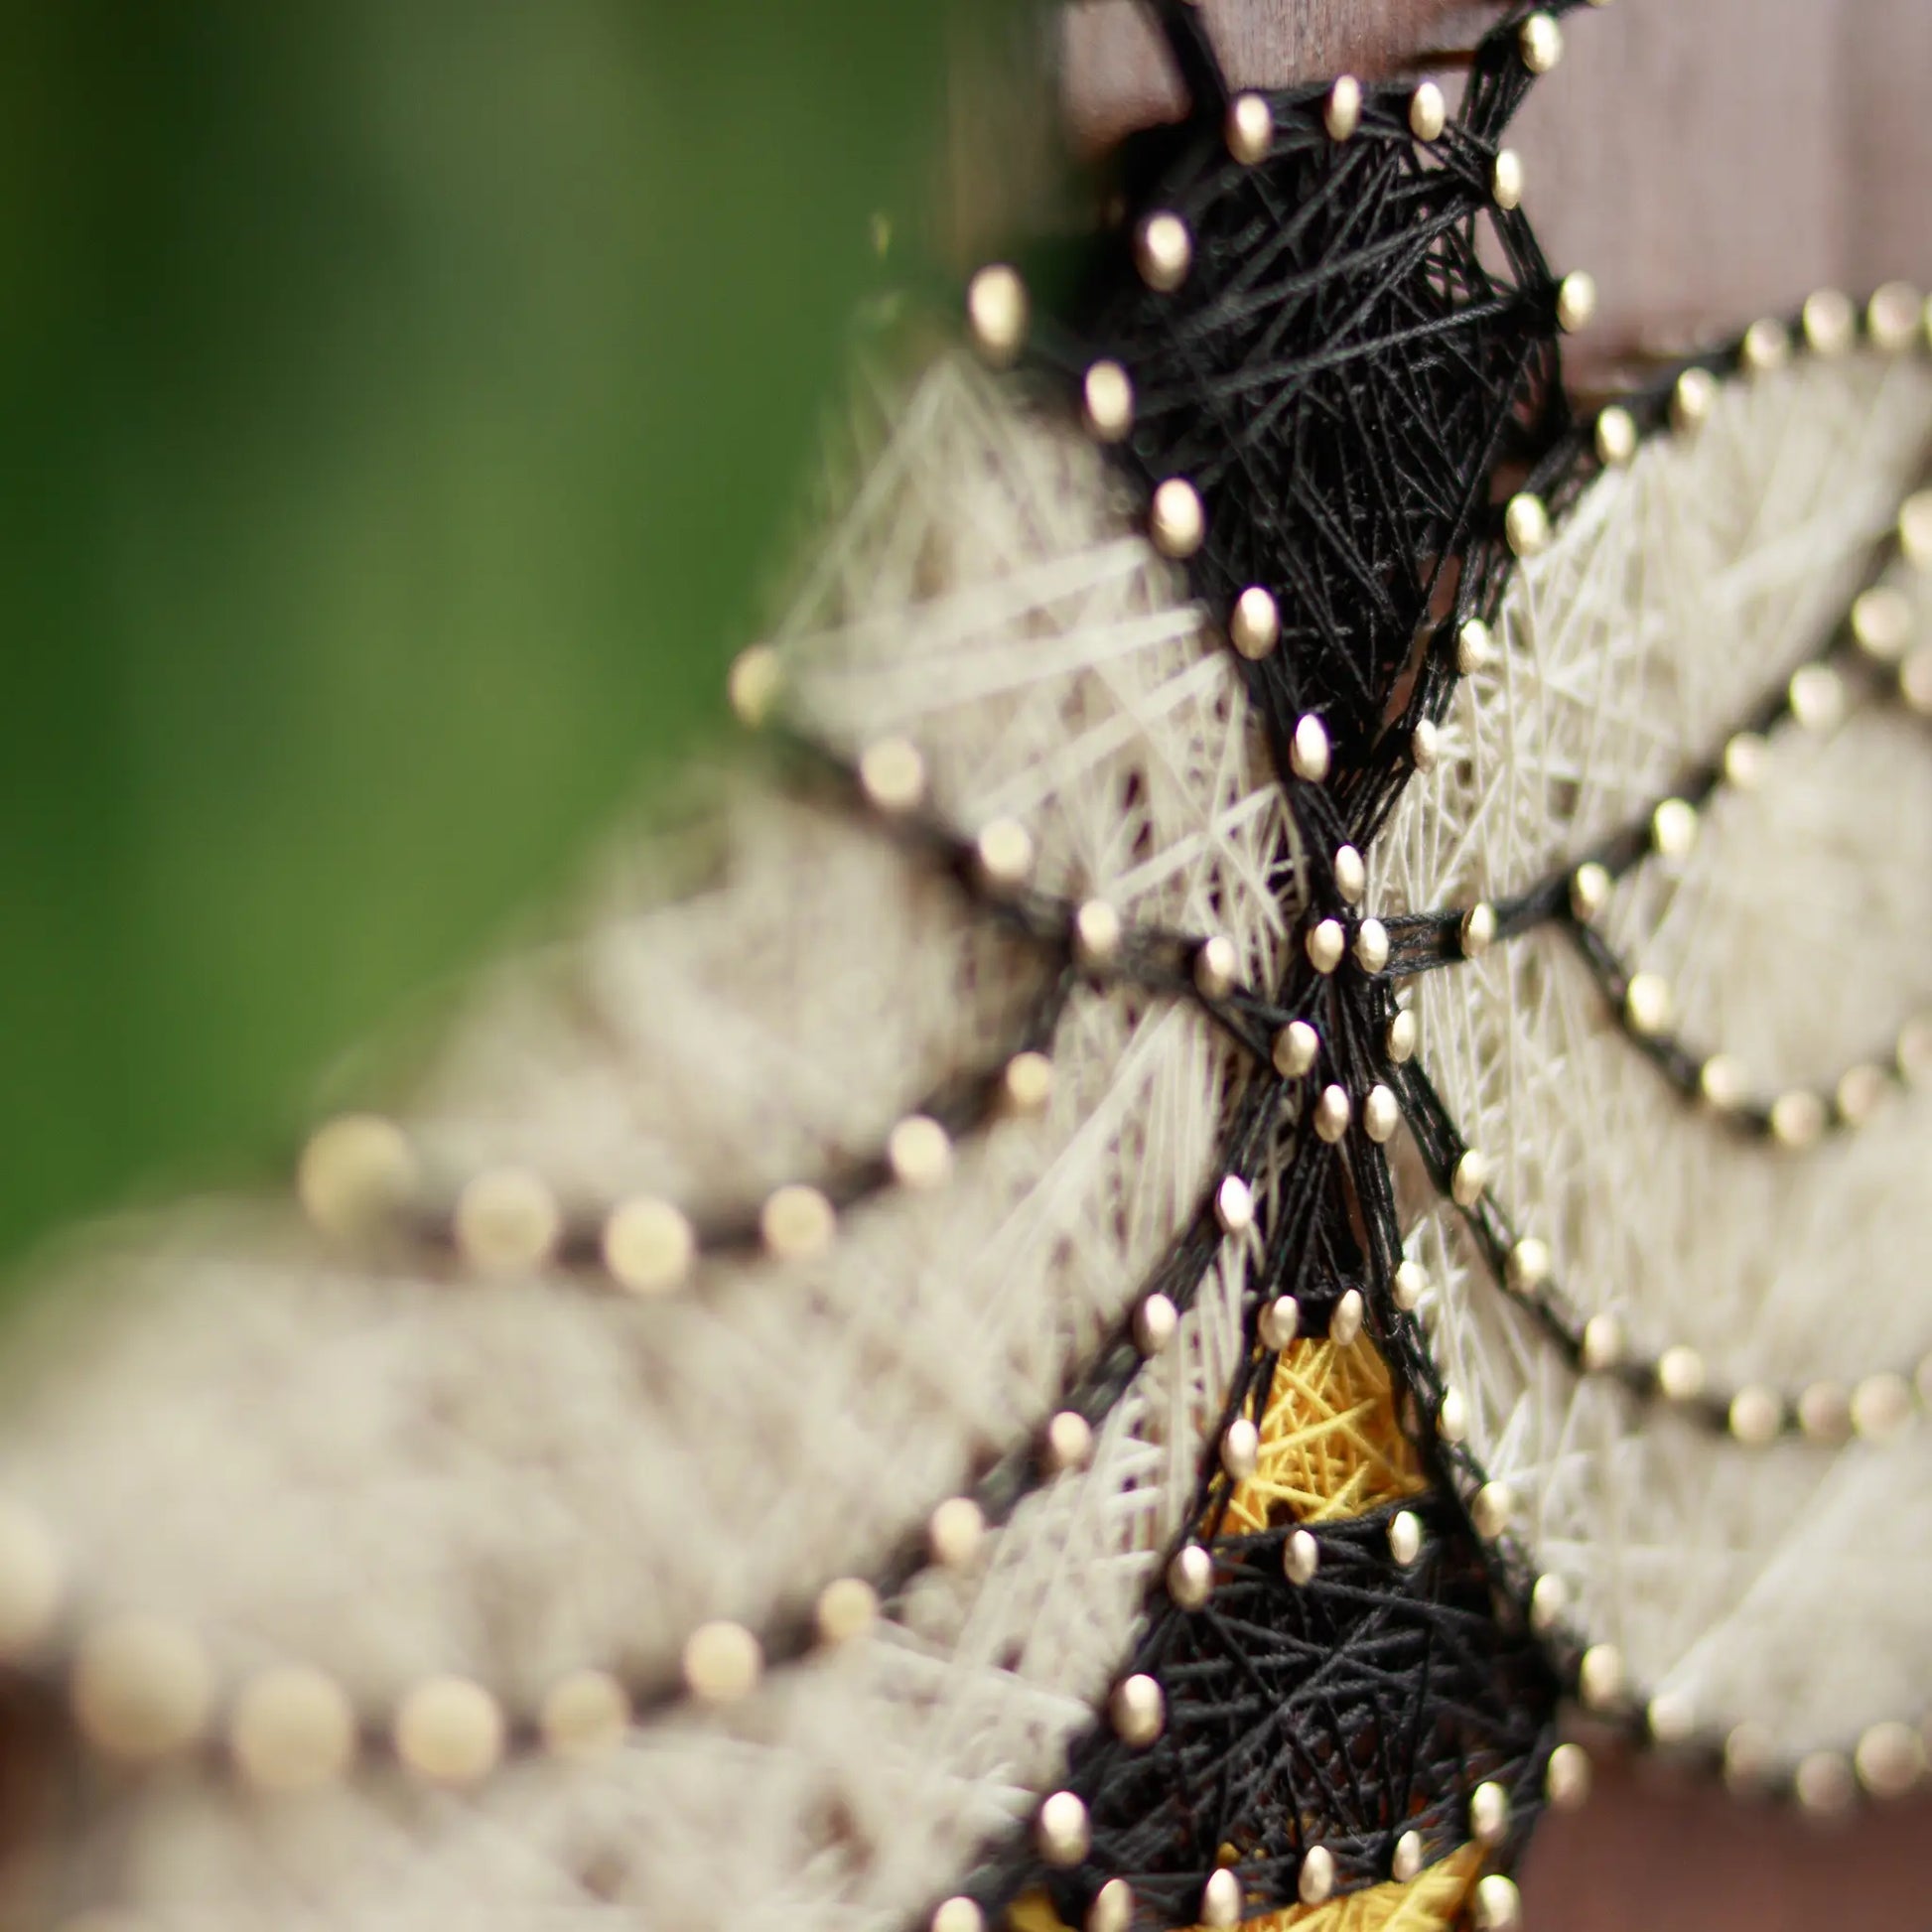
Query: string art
{"points": [[1026, 1319]]}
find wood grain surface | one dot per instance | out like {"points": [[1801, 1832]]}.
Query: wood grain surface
{"points": [[1708, 161]]}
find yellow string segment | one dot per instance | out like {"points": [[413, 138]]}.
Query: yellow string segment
{"points": [[1331, 1445], [1432, 1901]]}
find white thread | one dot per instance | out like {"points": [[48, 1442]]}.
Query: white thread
{"points": [[387, 1475], [1788, 1585]]}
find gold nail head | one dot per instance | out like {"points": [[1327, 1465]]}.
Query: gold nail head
{"points": [[1096, 932], [1027, 1083], [1452, 1417], [1491, 1509], [1680, 1373], [1427, 112], [1692, 398], [450, 1731], [507, 1220], [1371, 946], [1506, 180], [1526, 525], [1915, 530], [1424, 744], [1316, 1879], [919, 1152], [1405, 1537], [1216, 965], [1331, 1114], [1003, 854], [1221, 1901], [1401, 1040], [1155, 1322], [1601, 1346], [1477, 931], [1565, 1778], [1671, 1718], [1301, 1558], [1107, 402], [1112, 1909], [1381, 1114], [1498, 1905], [1235, 1205], [1255, 626], [1062, 1832], [1307, 751], [649, 1246], [996, 314], [1250, 129], [1616, 437], [1405, 1864], [1830, 321], [585, 1716], [846, 1610], [1881, 1406], [1825, 1413], [1325, 945], [1341, 112], [1475, 649], [957, 1916], [1756, 1417], [1411, 1284], [356, 1171], [1816, 695], [1351, 875], [1488, 1813], [1915, 681], [1745, 758], [1178, 523], [892, 774], [753, 685], [1822, 1784], [1881, 619], [1190, 1576], [1164, 252], [1468, 1178], [1797, 1119], [1280, 1322], [292, 1729], [1647, 1004], [1674, 828], [1241, 1450], [1138, 1711], [723, 1663], [1766, 346], [1576, 309], [1069, 1443], [1599, 1676], [1548, 1602], [1528, 1265], [1294, 1049], [1889, 1759], [1540, 42], [1860, 1093], [1589, 890], [31, 1582], [1721, 1083], [1893, 317], [1345, 1320], [1749, 1755], [796, 1222], [956, 1532]]}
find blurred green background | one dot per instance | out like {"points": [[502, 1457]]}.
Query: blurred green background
{"points": [[397, 399]]}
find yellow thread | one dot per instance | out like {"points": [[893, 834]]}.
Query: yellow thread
{"points": [[1331, 1445], [1430, 1903]]}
